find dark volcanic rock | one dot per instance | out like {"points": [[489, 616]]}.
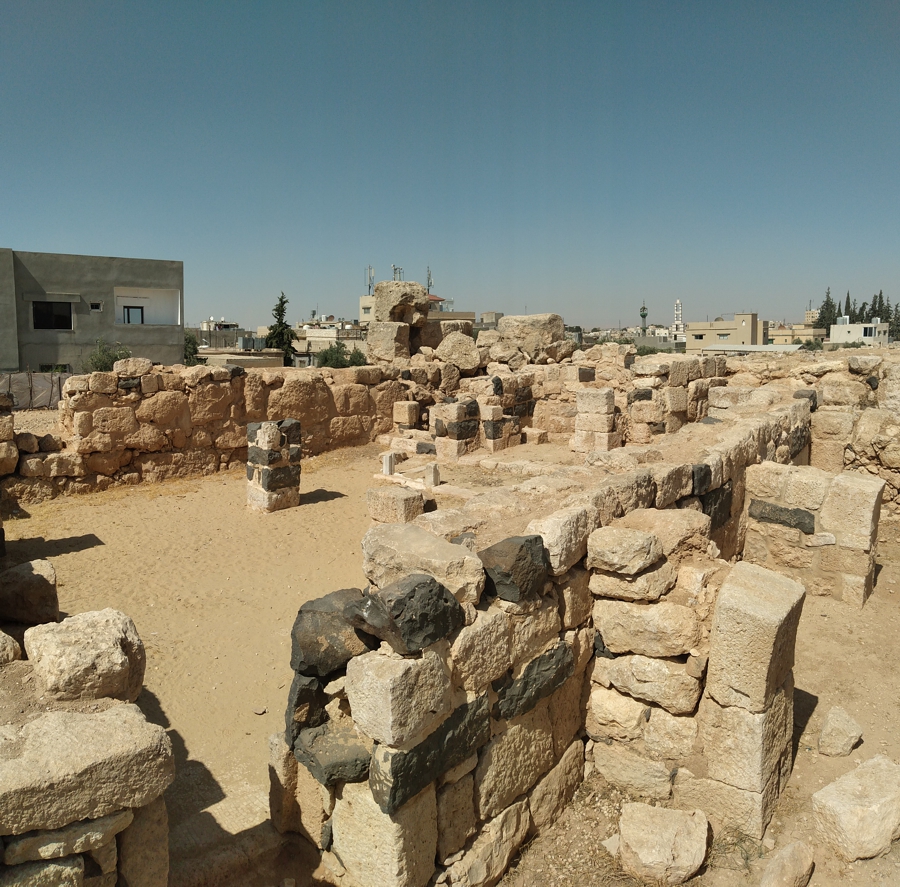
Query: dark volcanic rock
{"points": [[541, 677], [516, 567], [702, 478], [333, 753], [322, 640], [770, 513], [717, 504], [410, 614], [305, 707]]}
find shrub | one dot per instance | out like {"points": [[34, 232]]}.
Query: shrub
{"points": [[191, 349], [102, 358], [357, 358]]}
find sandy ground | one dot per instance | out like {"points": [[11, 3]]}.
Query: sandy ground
{"points": [[214, 588]]}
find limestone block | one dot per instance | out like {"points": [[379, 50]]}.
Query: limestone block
{"points": [[168, 410], [681, 531], [632, 772], [9, 649], [675, 400], [858, 815], [513, 761], [486, 860], [565, 533], [613, 715], [647, 411], [602, 423], [532, 631], [64, 465], [660, 629], [132, 367], [69, 766], [395, 700], [455, 816], [575, 599], [283, 809], [753, 636], [75, 838], [394, 505], [839, 734], [805, 488], [532, 333], [791, 866], [315, 803], [552, 794], [459, 350], [57, 873], [400, 301], [322, 638], [567, 712], [9, 457], [392, 551], [406, 412], [107, 857], [746, 749], [728, 807], [7, 427], [595, 400], [481, 651], [385, 341], [839, 391], [28, 593], [386, 850], [620, 550], [647, 586], [516, 567], [827, 455], [410, 614], [115, 420], [663, 681], [659, 845], [851, 510], [673, 482], [669, 736], [267, 502], [88, 656]]}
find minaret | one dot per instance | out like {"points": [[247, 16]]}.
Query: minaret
{"points": [[678, 326], [643, 313]]}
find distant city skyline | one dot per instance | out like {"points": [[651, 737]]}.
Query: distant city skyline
{"points": [[578, 158]]}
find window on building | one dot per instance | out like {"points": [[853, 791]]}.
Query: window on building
{"points": [[52, 315], [868, 332], [96, 306], [723, 336], [698, 336], [133, 314], [367, 310]]}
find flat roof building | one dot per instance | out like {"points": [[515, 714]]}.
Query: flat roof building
{"points": [[872, 333], [744, 329], [54, 308]]}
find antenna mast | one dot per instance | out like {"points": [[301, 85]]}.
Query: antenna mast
{"points": [[429, 282], [370, 278], [398, 272]]}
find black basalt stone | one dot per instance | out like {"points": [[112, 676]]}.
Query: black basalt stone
{"points": [[129, 384], [280, 478], [396, 776], [305, 706], [798, 438], [541, 677], [770, 513], [462, 430], [410, 614], [872, 382], [290, 428], [259, 456], [600, 648], [322, 639], [810, 395], [234, 370], [640, 394], [702, 478], [252, 431], [493, 429], [333, 753], [717, 505], [497, 382], [516, 567]]}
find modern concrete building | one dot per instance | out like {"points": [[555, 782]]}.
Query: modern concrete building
{"points": [[873, 333], [745, 329], [54, 308]]}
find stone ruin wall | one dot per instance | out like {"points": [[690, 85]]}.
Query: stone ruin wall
{"points": [[442, 717]]}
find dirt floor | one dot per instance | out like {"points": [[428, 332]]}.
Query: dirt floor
{"points": [[213, 589]]}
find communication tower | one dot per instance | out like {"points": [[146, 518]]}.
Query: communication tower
{"points": [[429, 283], [370, 278], [643, 313], [398, 272]]}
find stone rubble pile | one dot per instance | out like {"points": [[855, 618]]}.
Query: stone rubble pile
{"points": [[274, 451]]}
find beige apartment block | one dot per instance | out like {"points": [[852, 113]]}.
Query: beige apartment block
{"points": [[745, 329]]}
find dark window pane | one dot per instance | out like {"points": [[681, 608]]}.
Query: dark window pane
{"points": [[52, 315]]}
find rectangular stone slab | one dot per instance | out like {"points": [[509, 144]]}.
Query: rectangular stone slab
{"points": [[66, 766]]}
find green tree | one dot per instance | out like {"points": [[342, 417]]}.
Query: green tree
{"points": [[827, 312], [191, 349], [357, 358], [102, 358], [847, 308], [878, 305], [334, 356], [281, 335]]}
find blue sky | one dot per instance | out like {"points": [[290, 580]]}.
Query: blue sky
{"points": [[570, 157]]}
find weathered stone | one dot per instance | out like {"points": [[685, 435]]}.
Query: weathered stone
{"points": [[620, 550], [662, 846], [662, 681], [575, 598], [532, 333], [57, 873], [481, 651], [395, 701], [394, 505], [168, 410], [455, 816], [770, 512], [647, 586], [669, 736], [9, 648], [542, 676], [851, 509], [397, 776], [613, 715], [753, 636], [513, 761], [728, 807], [322, 638], [791, 866], [333, 753], [486, 860], [595, 400], [400, 301], [839, 735], [532, 630], [746, 749], [75, 838], [660, 629], [386, 341], [393, 551], [283, 768], [567, 712], [65, 766], [858, 815], [106, 856], [28, 593], [131, 367], [144, 848], [459, 350], [632, 772], [9, 457], [88, 656], [548, 799], [386, 849], [565, 533], [410, 614], [516, 568], [305, 706], [717, 505]]}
